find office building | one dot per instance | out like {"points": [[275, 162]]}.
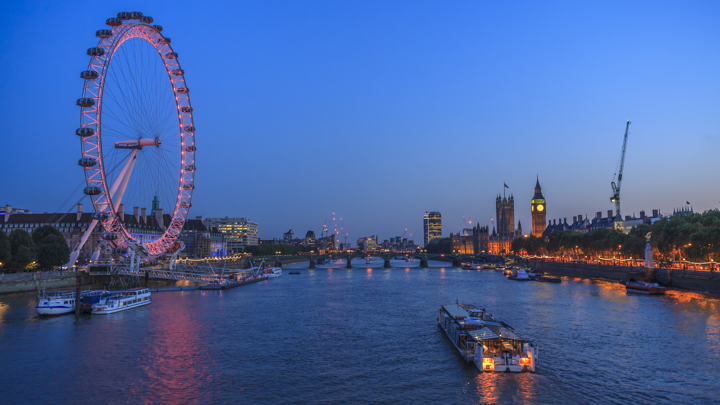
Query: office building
{"points": [[432, 226], [239, 232]]}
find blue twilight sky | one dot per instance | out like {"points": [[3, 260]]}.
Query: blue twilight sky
{"points": [[378, 111]]}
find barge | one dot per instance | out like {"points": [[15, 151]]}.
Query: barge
{"points": [[492, 345]]}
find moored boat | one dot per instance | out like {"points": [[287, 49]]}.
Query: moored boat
{"points": [[490, 344], [122, 300], [60, 302], [644, 288], [545, 279], [56, 303], [273, 272], [519, 275]]}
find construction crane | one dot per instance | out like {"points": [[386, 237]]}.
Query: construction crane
{"points": [[616, 187]]}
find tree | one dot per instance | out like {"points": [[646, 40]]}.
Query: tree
{"points": [[53, 251], [5, 249], [22, 249], [46, 230]]}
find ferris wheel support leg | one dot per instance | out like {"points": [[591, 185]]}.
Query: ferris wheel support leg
{"points": [[125, 176], [120, 183]]}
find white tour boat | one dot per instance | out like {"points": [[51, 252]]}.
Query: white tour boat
{"points": [[59, 302], [56, 303], [492, 345], [273, 272], [122, 300], [519, 275]]}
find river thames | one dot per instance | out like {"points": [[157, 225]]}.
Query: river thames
{"points": [[365, 336]]}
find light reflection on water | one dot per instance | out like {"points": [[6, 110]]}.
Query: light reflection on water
{"points": [[343, 336]]}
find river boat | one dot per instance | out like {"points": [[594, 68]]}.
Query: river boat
{"points": [[644, 288], [273, 272], [492, 345], [368, 260], [121, 301], [60, 302], [544, 279], [519, 275], [467, 266]]}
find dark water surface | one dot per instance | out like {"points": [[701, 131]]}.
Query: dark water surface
{"points": [[364, 336]]}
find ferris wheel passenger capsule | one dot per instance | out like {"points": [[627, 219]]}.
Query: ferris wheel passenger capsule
{"points": [[85, 102], [109, 235], [188, 186], [189, 128], [178, 72], [92, 190], [158, 28], [186, 109], [147, 19], [190, 148], [185, 204], [101, 216], [103, 33], [120, 250], [183, 90], [136, 15], [87, 162], [113, 22], [83, 132], [124, 15], [89, 75], [96, 51], [189, 168], [171, 55], [164, 40]]}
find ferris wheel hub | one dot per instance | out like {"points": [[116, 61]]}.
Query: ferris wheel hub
{"points": [[138, 144]]}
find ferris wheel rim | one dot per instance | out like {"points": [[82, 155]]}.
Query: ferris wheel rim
{"points": [[133, 26]]}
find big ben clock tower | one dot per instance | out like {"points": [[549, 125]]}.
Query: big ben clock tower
{"points": [[538, 210]]}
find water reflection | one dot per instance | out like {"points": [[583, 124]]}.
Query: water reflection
{"points": [[4, 308]]}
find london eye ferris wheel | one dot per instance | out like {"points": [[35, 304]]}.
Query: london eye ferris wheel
{"points": [[136, 132]]}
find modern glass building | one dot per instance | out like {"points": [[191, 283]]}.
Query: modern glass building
{"points": [[239, 232], [432, 226]]}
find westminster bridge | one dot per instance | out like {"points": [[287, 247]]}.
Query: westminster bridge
{"points": [[455, 259]]}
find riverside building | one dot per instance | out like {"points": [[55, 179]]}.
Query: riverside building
{"points": [[432, 226], [141, 226], [238, 232]]}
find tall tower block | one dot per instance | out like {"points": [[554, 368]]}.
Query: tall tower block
{"points": [[538, 211]]}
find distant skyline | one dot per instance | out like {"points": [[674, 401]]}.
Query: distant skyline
{"points": [[380, 111]]}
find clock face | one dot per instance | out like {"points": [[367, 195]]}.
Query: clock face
{"points": [[540, 207]]}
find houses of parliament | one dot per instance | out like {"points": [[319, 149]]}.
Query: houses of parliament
{"points": [[478, 240]]}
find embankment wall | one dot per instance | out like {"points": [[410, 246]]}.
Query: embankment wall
{"points": [[701, 281]]}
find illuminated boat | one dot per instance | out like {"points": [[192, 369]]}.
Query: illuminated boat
{"points": [[490, 344], [642, 287], [273, 272], [122, 300], [60, 302], [519, 275]]}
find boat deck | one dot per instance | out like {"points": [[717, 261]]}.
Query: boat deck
{"points": [[490, 344]]}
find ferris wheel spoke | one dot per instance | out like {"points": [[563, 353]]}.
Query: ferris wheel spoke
{"points": [[130, 81], [119, 106], [126, 114]]}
